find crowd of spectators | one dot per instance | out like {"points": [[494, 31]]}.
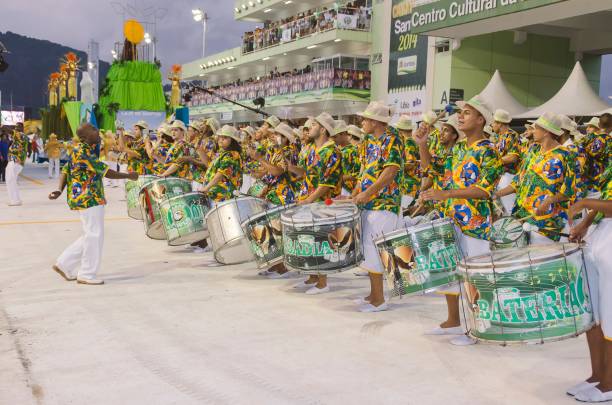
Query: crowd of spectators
{"points": [[307, 23]]}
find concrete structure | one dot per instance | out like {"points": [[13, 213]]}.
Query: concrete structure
{"points": [[171, 327]]}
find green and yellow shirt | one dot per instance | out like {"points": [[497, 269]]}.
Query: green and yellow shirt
{"points": [[323, 168], [378, 154], [84, 173], [411, 179], [509, 143], [350, 166], [18, 151], [228, 163], [596, 146], [544, 175], [280, 187]]}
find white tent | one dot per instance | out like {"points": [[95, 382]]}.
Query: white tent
{"points": [[497, 95], [576, 97]]}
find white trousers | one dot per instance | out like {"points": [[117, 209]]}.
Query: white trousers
{"points": [[599, 270], [82, 258], [12, 174], [509, 200], [247, 182], [374, 224], [54, 168]]}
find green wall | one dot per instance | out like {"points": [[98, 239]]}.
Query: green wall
{"points": [[533, 71]]}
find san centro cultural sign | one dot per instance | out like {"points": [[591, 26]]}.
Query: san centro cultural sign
{"points": [[415, 17]]}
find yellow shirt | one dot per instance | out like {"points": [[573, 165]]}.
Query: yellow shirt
{"points": [[53, 149]]}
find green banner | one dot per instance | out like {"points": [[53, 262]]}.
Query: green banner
{"points": [[73, 114], [447, 13]]}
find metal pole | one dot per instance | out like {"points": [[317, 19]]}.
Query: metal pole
{"points": [[204, 35]]}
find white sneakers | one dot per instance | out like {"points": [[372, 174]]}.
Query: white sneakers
{"points": [[437, 331], [593, 394], [275, 275], [62, 273], [315, 290], [367, 308], [581, 386], [463, 340], [90, 281], [15, 204]]}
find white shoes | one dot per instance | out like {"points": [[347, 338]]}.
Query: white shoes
{"points": [[62, 273], [371, 308], [315, 290], [593, 394], [463, 340], [15, 204], [438, 331], [90, 281], [581, 386], [304, 284], [275, 276]]}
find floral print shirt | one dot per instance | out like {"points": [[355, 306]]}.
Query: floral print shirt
{"points": [[411, 178], [228, 163], [280, 187], [18, 151], [597, 147], [350, 166], [509, 143], [84, 173], [323, 168]]}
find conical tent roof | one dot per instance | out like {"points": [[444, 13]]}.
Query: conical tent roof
{"points": [[576, 97], [497, 95]]}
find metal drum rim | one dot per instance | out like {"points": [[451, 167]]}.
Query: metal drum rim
{"points": [[167, 200], [221, 204], [266, 212], [355, 215]]}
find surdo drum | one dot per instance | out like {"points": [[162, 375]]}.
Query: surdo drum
{"points": [[265, 233], [533, 294], [420, 259], [508, 232], [321, 239], [152, 195], [132, 188], [183, 218]]}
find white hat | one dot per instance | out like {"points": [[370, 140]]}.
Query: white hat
{"points": [[569, 125], [297, 131], [286, 131], [142, 124], [354, 130], [550, 122], [479, 105], [340, 127], [214, 124], [308, 122], [178, 124], [229, 131], [429, 117], [273, 121], [488, 130], [163, 129], [404, 123], [502, 116], [594, 122], [249, 130], [378, 111], [453, 121], [327, 121]]}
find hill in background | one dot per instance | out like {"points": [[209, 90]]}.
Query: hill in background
{"points": [[30, 62]]}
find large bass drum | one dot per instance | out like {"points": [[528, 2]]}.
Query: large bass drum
{"points": [[151, 195], [132, 188], [532, 294], [229, 242], [183, 218]]}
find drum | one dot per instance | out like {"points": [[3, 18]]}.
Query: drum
{"points": [[132, 188], [420, 259], [533, 294], [508, 232], [265, 234], [151, 195], [229, 242], [183, 218], [257, 189], [321, 239]]}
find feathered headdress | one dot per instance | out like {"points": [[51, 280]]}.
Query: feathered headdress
{"points": [[177, 68]]}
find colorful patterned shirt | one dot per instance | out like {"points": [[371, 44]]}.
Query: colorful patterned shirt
{"points": [[579, 156], [141, 163], [350, 166], [378, 154], [411, 178], [323, 168], [476, 165], [178, 150], [596, 147], [228, 163], [84, 173], [280, 187], [18, 151], [161, 150], [545, 175], [508, 143]]}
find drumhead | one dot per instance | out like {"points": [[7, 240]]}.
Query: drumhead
{"points": [[504, 260], [506, 230], [319, 214], [271, 211], [433, 224], [232, 201]]}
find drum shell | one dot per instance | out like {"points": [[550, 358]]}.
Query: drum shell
{"points": [[421, 259], [530, 301], [132, 189], [229, 242], [269, 251], [183, 218], [308, 248], [151, 195]]}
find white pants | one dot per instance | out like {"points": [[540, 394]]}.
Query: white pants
{"points": [[54, 168], [247, 182], [82, 258], [12, 174], [599, 270], [406, 201], [374, 224], [509, 200]]}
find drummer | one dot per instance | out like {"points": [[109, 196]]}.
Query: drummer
{"points": [[544, 183], [175, 164], [322, 180], [224, 175], [570, 133], [411, 181], [141, 132], [350, 158], [507, 144], [598, 387], [474, 168], [159, 152], [378, 193], [597, 145], [356, 134], [134, 150], [307, 152]]}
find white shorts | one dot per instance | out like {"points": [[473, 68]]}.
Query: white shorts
{"points": [[374, 224], [598, 261]]}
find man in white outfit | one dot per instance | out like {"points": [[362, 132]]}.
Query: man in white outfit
{"points": [[83, 176], [17, 155]]}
